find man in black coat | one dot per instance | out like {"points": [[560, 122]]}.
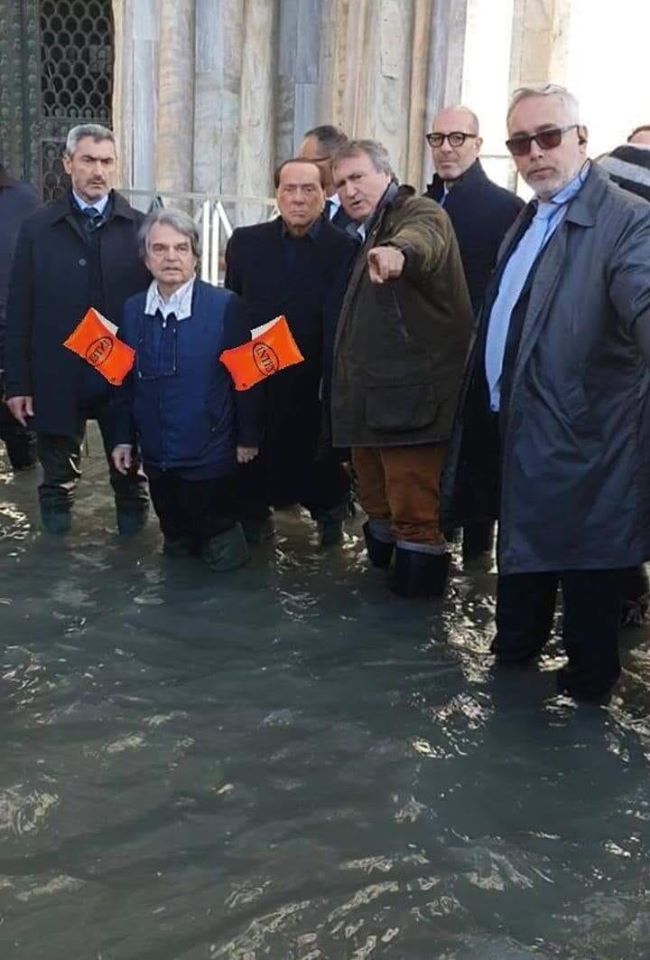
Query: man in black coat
{"points": [[481, 213], [17, 201], [296, 265], [77, 252]]}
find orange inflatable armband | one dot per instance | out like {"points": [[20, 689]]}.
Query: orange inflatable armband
{"points": [[271, 349], [95, 341]]}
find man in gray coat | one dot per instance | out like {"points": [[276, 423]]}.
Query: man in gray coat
{"points": [[554, 419]]}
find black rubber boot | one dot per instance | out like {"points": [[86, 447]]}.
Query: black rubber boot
{"points": [[56, 522], [177, 547], [130, 522], [419, 574], [477, 545], [380, 552], [227, 551], [258, 530]]}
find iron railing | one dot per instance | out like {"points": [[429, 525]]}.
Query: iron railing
{"points": [[216, 216]]}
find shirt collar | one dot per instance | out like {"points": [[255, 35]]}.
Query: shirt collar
{"points": [[180, 302], [334, 205], [99, 205]]}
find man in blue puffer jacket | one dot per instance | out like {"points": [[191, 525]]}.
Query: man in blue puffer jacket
{"points": [[179, 403]]}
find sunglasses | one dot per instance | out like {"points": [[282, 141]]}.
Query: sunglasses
{"points": [[456, 139], [520, 145]]}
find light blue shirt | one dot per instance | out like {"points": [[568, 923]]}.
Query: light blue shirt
{"points": [[99, 205], [547, 219]]}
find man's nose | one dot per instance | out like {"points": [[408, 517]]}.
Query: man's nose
{"points": [[535, 149]]}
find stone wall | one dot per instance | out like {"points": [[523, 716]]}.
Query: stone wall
{"points": [[211, 94]]}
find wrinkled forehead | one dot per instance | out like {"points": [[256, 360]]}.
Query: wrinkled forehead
{"points": [[294, 174], [534, 113], [360, 162], [165, 233], [97, 149]]}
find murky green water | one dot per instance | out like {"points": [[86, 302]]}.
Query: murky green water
{"points": [[288, 763]]}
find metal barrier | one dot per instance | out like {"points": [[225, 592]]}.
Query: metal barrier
{"points": [[216, 216]]}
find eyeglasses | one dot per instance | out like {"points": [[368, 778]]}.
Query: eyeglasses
{"points": [[520, 145], [456, 138]]}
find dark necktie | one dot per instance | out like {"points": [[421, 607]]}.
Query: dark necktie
{"points": [[93, 219], [329, 206]]}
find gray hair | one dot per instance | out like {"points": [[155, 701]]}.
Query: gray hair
{"points": [[170, 217], [94, 130], [373, 149], [570, 102]]}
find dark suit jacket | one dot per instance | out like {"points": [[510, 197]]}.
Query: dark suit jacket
{"points": [[481, 213], [309, 296], [50, 290]]}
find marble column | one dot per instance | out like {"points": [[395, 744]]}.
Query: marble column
{"points": [[175, 133], [255, 155]]}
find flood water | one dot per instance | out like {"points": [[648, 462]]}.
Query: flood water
{"points": [[288, 763]]}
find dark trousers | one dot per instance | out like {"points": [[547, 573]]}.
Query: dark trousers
{"points": [[192, 511], [60, 458], [21, 443], [592, 606], [321, 486]]}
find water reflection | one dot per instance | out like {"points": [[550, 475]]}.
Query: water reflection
{"points": [[289, 763]]}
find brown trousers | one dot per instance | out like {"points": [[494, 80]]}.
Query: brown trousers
{"points": [[401, 485]]}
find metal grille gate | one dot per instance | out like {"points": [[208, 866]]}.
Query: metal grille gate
{"points": [[56, 70]]}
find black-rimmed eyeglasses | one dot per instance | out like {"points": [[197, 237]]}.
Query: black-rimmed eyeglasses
{"points": [[456, 138], [520, 145]]}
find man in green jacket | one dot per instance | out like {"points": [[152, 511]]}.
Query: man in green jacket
{"points": [[399, 353]]}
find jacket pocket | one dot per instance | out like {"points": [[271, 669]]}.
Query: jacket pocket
{"points": [[401, 407]]}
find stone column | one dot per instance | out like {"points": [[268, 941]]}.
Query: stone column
{"points": [[255, 156], [418, 121], [174, 160], [539, 41], [447, 50]]}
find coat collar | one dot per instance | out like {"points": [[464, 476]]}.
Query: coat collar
{"points": [[474, 175], [66, 207], [583, 209]]}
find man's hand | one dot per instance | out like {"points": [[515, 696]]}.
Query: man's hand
{"points": [[122, 457], [246, 454], [21, 408], [385, 263]]}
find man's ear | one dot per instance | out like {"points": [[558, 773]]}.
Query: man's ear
{"points": [[479, 144], [583, 135]]}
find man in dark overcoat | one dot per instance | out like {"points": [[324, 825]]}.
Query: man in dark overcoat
{"points": [[17, 201], [77, 252], [480, 212], [295, 265], [554, 417]]}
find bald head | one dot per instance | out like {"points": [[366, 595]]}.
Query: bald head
{"points": [[452, 160], [457, 118]]}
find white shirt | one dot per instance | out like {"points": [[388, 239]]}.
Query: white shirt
{"points": [[99, 205], [333, 205], [180, 302]]}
